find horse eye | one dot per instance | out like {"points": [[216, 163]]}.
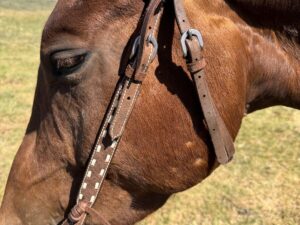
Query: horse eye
{"points": [[65, 63]]}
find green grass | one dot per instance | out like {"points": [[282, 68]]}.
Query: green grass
{"points": [[261, 185], [20, 31], [26, 5]]}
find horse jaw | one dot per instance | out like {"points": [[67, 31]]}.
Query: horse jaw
{"points": [[20, 191]]}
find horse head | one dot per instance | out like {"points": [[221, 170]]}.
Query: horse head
{"points": [[166, 146]]}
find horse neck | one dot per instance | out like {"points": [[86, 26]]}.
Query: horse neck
{"points": [[271, 35], [275, 71]]}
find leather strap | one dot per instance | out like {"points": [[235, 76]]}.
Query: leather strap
{"points": [[124, 99], [220, 136], [148, 32], [78, 215], [111, 131]]}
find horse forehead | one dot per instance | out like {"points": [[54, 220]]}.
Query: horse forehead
{"points": [[71, 4], [84, 17], [78, 9], [76, 16]]}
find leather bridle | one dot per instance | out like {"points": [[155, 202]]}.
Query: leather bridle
{"points": [[144, 50]]}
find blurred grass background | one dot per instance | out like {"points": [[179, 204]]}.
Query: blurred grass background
{"points": [[261, 186]]}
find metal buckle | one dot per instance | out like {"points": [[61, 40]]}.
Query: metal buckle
{"points": [[188, 35], [135, 46], [152, 40]]}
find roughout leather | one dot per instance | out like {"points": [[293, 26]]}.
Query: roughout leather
{"points": [[221, 139]]}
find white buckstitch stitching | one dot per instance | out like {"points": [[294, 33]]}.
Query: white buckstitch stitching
{"points": [[111, 109], [99, 137], [89, 173], [107, 159], [136, 92], [102, 171], [93, 198], [98, 148], [148, 62], [97, 185], [114, 144], [105, 169], [130, 109], [118, 111], [103, 134]]}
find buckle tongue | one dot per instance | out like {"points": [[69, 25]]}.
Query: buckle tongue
{"points": [[189, 34]]}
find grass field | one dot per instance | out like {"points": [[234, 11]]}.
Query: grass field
{"points": [[261, 186]]}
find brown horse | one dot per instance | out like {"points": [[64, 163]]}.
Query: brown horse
{"points": [[253, 63]]}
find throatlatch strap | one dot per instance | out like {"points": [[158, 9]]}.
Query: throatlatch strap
{"points": [[192, 43]]}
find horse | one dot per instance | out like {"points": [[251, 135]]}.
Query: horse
{"points": [[252, 63]]}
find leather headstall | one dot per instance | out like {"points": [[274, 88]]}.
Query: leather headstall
{"points": [[144, 50]]}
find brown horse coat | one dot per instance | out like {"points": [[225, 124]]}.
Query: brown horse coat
{"points": [[252, 64]]}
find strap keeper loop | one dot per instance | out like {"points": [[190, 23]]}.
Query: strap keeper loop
{"points": [[129, 71], [77, 212], [196, 66]]}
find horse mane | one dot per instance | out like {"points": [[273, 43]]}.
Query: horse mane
{"points": [[287, 6], [281, 16]]}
